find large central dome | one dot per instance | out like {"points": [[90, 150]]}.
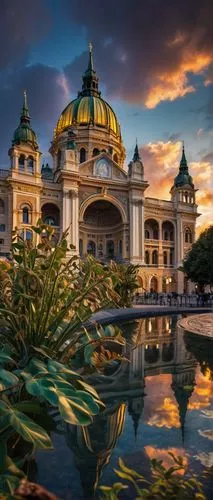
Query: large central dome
{"points": [[89, 107]]}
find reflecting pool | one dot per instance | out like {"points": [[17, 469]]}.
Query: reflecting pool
{"points": [[158, 402]]}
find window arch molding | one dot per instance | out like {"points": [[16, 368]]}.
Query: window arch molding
{"points": [[188, 235], [25, 211]]}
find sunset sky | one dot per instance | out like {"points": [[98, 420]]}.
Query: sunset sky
{"points": [[154, 60]]}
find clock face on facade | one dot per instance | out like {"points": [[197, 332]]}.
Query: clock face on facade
{"points": [[102, 168]]}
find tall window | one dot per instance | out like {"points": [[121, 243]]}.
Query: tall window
{"points": [[155, 258], [147, 235], [21, 161], [1, 206], [25, 215], [147, 257], [30, 166], [171, 257], [2, 228], [165, 258], [82, 155], [188, 236]]}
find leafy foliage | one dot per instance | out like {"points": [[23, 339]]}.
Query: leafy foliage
{"points": [[165, 483], [127, 282], [46, 296], [198, 264]]}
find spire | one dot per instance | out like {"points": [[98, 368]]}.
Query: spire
{"points": [[136, 156], [90, 63], [90, 79], [183, 162], [24, 132], [183, 178], [25, 117]]}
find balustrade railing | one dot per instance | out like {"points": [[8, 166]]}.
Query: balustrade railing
{"points": [[174, 299]]}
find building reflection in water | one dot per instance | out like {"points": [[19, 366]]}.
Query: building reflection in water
{"points": [[156, 348]]}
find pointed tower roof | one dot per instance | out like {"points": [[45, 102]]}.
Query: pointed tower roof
{"points": [[90, 79], [24, 133], [182, 396], [136, 156], [183, 178]]}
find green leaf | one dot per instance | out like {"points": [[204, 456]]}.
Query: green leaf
{"points": [[89, 402], [29, 407], [73, 412], [56, 367], [8, 378], [6, 358], [36, 366], [29, 430], [33, 386], [88, 352]]}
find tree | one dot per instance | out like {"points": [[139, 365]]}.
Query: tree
{"points": [[198, 263]]}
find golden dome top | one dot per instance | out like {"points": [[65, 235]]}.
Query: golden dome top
{"points": [[89, 107]]}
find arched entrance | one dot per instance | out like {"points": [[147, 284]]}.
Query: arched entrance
{"points": [[153, 284], [101, 231]]}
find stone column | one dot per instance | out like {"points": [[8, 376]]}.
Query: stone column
{"points": [[75, 220], [66, 215], [160, 248], [136, 229]]}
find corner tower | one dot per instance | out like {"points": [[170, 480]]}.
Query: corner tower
{"points": [[24, 153], [183, 190]]}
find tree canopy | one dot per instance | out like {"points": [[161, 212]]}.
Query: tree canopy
{"points": [[198, 263]]}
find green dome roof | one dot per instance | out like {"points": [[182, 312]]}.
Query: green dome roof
{"points": [[24, 133], [183, 178]]}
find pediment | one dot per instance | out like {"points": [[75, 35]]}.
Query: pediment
{"points": [[102, 167]]}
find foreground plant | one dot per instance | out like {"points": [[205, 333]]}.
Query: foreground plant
{"points": [[165, 483], [127, 282], [45, 298]]}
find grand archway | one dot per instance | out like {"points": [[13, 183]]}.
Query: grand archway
{"points": [[101, 231]]}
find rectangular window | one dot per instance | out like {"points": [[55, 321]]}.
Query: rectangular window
{"points": [[1, 241], [2, 228]]}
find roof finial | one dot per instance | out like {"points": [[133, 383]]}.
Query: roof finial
{"points": [[25, 112], [90, 64], [183, 162]]}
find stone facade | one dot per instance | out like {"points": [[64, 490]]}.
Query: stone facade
{"points": [[90, 191]]}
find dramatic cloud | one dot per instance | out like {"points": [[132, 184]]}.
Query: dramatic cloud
{"points": [[146, 53], [161, 163], [21, 25], [47, 96]]}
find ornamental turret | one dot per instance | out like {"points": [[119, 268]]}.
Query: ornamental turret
{"points": [[90, 79], [183, 189], [24, 152], [136, 170]]}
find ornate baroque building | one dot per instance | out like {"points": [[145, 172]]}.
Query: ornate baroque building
{"points": [[91, 191]]}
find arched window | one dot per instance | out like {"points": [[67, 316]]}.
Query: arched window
{"points": [[30, 164], [165, 261], [153, 284], [166, 236], [29, 235], [120, 248], [82, 155], [188, 236], [95, 152], [147, 257], [59, 158], [186, 197], [50, 220], [155, 258], [1, 206], [91, 248], [110, 249], [115, 157], [50, 214], [21, 162], [25, 215], [147, 235], [81, 247]]}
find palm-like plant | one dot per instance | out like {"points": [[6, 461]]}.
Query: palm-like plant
{"points": [[127, 282], [46, 297]]}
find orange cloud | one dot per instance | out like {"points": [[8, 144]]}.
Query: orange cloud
{"points": [[174, 84], [203, 391], [162, 454], [166, 415]]}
